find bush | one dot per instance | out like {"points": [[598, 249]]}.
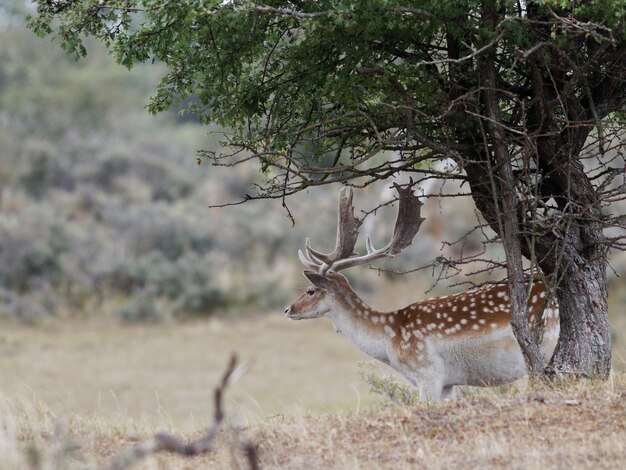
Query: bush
{"points": [[30, 307], [44, 171], [24, 261], [140, 308]]}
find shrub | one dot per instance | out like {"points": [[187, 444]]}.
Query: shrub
{"points": [[43, 170], [140, 308], [25, 260]]}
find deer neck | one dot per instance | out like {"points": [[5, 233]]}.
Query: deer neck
{"points": [[356, 320]]}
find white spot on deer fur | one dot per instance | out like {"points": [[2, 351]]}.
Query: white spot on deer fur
{"points": [[463, 321], [542, 294], [475, 327], [438, 315], [465, 309], [450, 319], [494, 325], [375, 319], [491, 303], [418, 321], [391, 319], [413, 307], [482, 321], [454, 308], [389, 331], [501, 294], [383, 318], [534, 300]]}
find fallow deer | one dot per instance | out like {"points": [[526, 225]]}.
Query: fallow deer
{"points": [[460, 339]]}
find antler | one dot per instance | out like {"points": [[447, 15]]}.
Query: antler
{"points": [[347, 234], [408, 222]]}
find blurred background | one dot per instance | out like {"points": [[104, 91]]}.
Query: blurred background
{"points": [[121, 291]]}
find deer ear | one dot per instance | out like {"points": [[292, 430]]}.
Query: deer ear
{"points": [[319, 280]]}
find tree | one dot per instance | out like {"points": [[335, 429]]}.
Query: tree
{"points": [[526, 97]]}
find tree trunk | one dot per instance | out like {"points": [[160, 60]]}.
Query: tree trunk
{"points": [[584, 347], [503, 183], [571, 250]]}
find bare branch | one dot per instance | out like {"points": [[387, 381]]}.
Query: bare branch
{"points": [[164, 442]]}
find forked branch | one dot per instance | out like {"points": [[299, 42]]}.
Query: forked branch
{"points": [[164, 442]]}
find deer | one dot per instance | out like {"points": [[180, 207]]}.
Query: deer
{"points": [[436, 344]]}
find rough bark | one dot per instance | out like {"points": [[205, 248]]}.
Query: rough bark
{"points": [[584, 347], [577, 263]]}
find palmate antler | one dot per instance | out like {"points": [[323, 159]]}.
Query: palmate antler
{"points": [[407, 224]]}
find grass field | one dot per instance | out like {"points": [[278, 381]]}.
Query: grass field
{"points": [[86, 389], [163, 374]]}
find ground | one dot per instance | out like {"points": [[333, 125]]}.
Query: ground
{"points": [[82, 391]]}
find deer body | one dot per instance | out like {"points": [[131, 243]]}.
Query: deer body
{"points": [[461, 339], [436, 344]]}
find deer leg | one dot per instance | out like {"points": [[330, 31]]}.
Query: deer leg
{"points": [[447, 393], [431, 390]]}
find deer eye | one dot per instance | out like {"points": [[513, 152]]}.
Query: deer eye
{"points": [[310, 292]]}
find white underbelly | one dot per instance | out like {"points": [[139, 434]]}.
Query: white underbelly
{"points": [[492, 359]]}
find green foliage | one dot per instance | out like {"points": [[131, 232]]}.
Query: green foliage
{"points": [[296, 83]]}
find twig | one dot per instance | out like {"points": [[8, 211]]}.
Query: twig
{"points": [[164, 442]]}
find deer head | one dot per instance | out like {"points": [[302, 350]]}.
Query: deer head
{"points": [[330, 291]]}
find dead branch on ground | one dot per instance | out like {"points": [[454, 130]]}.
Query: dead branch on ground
{"points": [[165, 442]]}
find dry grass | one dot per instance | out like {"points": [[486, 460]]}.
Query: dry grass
{"points": [[163, 374], [75, 394], [580, 425]]}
